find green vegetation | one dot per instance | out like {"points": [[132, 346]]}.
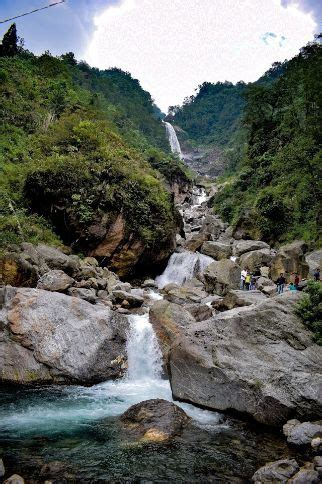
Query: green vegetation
{"points": [[278, 185], [310, 310], [78, 146]]}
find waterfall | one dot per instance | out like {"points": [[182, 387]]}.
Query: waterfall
{"points": [[143, 350], [173, 139], [182, 267]]}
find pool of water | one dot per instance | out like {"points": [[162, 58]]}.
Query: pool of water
{"points": [[72, 434]]}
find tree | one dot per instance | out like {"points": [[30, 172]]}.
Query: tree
{"points": [[9, 46]]}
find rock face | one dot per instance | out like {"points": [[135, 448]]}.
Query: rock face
{"points": [[220, 276], [302, 433], [154, 420], [314, 260], [255, 359], [290, 258], [50, 337], [238, 298]]}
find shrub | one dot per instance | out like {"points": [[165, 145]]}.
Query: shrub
{"points": [[310, 310]]}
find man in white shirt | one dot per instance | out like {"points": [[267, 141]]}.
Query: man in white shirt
{"points": [[243, 278]]}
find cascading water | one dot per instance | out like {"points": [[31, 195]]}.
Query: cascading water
{"points": [[173, 139], [182, 267]]}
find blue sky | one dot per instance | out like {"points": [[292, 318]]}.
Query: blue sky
{"points": [[171, 46]]}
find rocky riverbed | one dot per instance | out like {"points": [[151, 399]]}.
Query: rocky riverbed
{"points": [[191, 335]]}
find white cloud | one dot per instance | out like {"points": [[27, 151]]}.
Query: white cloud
{"points": [[172, 46]]}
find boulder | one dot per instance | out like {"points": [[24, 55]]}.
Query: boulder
{"points": [[82, 293], [278, 471], [264, 282], [200, 312], [55, 280], [238, 298], [302, 433], [196, 241], [255, 259], [314, 260], [150, 283], [17, 271], [220, 276], [306, 475], [216, 250], [183, 294], [169, 321], [242, 246], [154, 420], [51, 337], [290, 258], [258, 359], [133, 300], [213, 226]]}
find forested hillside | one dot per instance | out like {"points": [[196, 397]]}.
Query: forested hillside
{"points": [[79, 146], [275, 194]]}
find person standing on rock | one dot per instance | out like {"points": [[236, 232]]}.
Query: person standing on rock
{"points": [[297, 281], [247, 281], [242, 279], [316, 274], [280, 283]]}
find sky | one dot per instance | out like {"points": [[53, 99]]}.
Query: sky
{"points": [[171, 46]]}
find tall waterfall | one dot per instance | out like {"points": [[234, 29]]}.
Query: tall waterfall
{"points": [[182, 267], [173, 139]]}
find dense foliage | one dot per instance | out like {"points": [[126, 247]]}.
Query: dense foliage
{"points": [[310, 309], [78, 142]]}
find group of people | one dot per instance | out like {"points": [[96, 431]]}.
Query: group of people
{"points": [[248, 280]]}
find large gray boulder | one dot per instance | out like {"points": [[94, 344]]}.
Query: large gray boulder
{"points": [[55, 280], [314, 260], [50, 337], [256, 259], [243, 246], [238, 298], [290, 258], [302, 433], [220, 276], [257, 359], [216, 250]]}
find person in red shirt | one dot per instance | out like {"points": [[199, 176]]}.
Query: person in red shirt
{"points": [[296, 281]]}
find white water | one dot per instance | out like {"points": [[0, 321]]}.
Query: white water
{"points": [[182, 267], [74, 407], [173, 139]]}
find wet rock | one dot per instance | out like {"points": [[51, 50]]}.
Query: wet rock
{"points": [[150, 283], [14, 479], [82, 293], [220, 276], [133, 300], [49, 336], [255, 259], [278, 471], [200, 312], [290, 258], [242, 246], [302, 433], [122, 286], [2, 468], [169, 321], [55, 280], [253, 359], [216, 250], [154, 420], [238, 298]]}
